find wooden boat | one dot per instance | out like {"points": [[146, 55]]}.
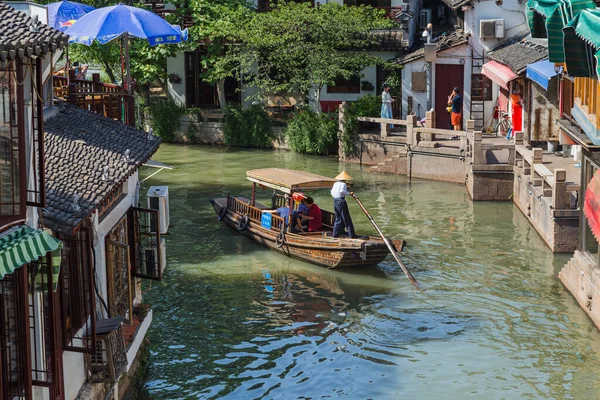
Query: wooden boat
{"points": [[249, 218]]}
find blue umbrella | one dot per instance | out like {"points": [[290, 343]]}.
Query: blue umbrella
{"points": [[63, 14], [108, 23]]}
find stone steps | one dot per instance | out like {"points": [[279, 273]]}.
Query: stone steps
{"points": [[396, 164]]}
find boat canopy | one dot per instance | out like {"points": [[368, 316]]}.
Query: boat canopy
{"points": [[288, 180]]}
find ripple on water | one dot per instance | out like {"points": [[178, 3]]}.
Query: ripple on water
{"points": [[234, 321]]}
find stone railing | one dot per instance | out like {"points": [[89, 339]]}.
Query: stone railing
{"points": [[549, 187]]}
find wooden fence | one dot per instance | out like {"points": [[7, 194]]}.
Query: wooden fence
{"points": [[103, 98]]}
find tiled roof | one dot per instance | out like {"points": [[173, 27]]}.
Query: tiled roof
{"points": [[21, 37], [79, 145], [456, 4], [518, 55], [389, 39], [444, 42]]}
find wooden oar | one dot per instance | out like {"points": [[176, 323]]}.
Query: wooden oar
{"points": [[408, 274]]}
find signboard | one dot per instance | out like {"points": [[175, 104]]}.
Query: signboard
{"points": [[266, 220]]}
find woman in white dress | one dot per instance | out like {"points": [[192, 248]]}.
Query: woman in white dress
{"points": [[386, 103]]}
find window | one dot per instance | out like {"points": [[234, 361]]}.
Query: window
{"points": [[15, 349], [148, 256], [77, 291], [12, 148], [481, 88], [351, 85], [120, 298]]}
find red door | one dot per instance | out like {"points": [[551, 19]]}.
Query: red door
{"points": [[447, 77]]}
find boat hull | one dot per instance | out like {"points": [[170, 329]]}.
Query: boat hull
{"points": [[315, 248]]}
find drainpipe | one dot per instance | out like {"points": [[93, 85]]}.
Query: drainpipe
{"points": [[429, 58]]}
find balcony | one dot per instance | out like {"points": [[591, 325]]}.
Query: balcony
{"points": [[107, 99], [586, 107]]}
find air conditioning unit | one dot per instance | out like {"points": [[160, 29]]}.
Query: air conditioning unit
{"points": [[158, 199], [425, 18], [491, 28], [150, 257]]}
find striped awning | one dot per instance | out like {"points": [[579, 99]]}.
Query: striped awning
{"points": [[24, 244], [498, 73], [547, 18], [582, 44]]}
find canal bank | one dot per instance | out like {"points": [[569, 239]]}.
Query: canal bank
{"points": [[232, 319]]}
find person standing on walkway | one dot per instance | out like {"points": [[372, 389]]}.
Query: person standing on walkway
{"points": [[339, 191], [386, 104], [455, 103]]}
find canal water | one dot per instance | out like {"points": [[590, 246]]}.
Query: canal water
{"points": [[236, 321]]}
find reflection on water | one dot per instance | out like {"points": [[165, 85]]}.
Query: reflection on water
{"points": [[234, 320]]}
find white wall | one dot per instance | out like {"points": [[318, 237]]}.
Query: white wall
{"points": [[513, 13], [74, 364], [176, 65], [370, 74], [451, 56]]}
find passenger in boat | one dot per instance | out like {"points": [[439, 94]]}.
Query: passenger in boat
{"points": [[314, 216], [284, 212], [339, 191]]}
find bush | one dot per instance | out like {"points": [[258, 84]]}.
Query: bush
{"points": [[313, 133], [165, 118], [366, 106], [248, 127]]}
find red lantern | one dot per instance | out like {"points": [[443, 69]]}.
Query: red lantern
{"points": [[297, 196]]}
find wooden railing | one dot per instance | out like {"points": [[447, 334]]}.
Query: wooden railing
{"points": [[253, 213], [587, 98], [103, 98]]}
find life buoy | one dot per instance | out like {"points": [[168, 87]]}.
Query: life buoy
{"points": [[280, 241], [222, 214], [243, 223]]}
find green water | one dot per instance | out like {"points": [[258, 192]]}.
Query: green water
{"points": [[234, 320]]}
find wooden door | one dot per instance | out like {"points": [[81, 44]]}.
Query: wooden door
{"points": [[447, 77]]}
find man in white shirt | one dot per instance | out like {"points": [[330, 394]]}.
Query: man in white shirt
{"points": [[339, 191]]}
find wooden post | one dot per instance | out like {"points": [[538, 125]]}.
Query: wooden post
{"points": [[478, 155], [429, 123], [72, 94], [559, 200], [411, 136], [463, 139], [96, 82], [253, 192]]}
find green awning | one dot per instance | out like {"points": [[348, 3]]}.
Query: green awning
{"points": [[547, 18], [25, 244], [582, 42]]}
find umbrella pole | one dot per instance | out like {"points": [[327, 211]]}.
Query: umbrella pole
{"points": [[127, 64]]}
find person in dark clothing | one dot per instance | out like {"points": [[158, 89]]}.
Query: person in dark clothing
{"points": [[456, 103], [340, 207]]}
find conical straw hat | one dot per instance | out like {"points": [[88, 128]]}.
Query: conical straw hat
{"points": [[343, 177]]}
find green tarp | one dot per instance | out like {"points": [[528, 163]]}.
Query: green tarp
{"points": [[582, 42], [25, 244], [547, 18]]}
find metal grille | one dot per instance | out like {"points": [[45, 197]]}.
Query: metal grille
{"points": [[36, 195], [11, 144], [109, 360], [41, 322], [77, 292], [14, 340], [147, 257], [120, 301]]}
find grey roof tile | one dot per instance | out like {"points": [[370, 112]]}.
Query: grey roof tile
{"points": [[78, 144], [518, 55], [444, 42], [18, 38]]}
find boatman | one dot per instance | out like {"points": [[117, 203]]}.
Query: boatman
{"points": [[339, 191]]}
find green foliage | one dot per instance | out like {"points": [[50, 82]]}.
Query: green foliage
{"points": [[313, 133], [166, 118], [296, 48], [366, 106], [248, 127]]}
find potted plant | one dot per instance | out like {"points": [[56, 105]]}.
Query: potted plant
{"points": [[367, 86]]}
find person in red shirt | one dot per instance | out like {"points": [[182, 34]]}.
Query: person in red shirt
{"points": [[314, 217]]}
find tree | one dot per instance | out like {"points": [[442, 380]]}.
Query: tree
{"points": [[297, 48]]}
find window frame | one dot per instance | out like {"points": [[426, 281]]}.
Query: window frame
{"points": [[345, 85]]}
